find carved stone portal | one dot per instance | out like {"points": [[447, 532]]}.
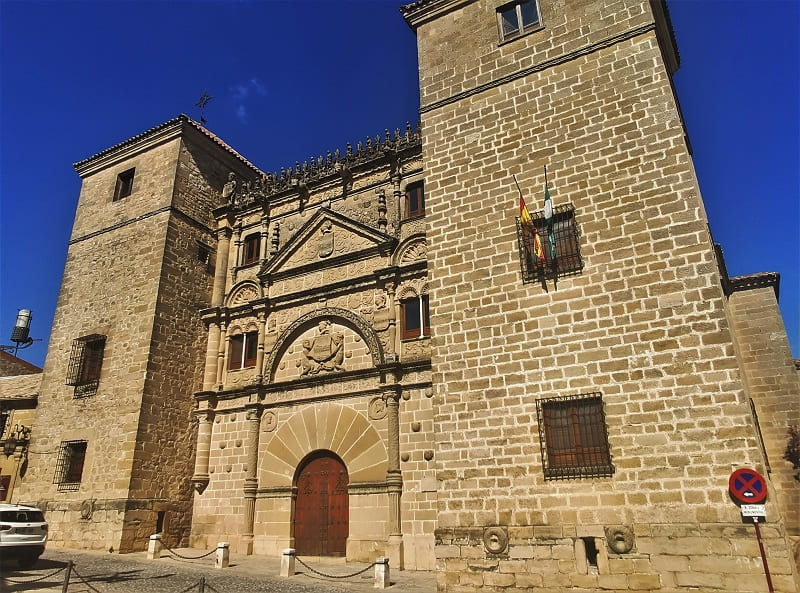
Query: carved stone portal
{"points": [[324, 352]]}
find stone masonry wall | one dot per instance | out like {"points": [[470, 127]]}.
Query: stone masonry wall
{"points": [[643, 324], [773, 384]]}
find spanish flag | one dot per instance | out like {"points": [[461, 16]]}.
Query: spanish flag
{"points": [[524, 215]]}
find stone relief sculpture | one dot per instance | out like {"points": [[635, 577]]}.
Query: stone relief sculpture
{"points": [[324, 352], [326, 239], [229, 190], [383, 322]]}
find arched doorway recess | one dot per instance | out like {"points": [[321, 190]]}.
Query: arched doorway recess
{"points": [[322, 507]]}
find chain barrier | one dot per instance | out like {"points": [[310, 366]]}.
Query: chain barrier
{"points": [[37, 579], [174, 553], [84, 580], [334, 576]]}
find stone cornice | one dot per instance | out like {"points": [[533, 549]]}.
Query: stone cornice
{"points": [[752, 281], [422, 11]]}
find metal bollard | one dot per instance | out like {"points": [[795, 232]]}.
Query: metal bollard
{"points": [[223, 555], [287, 562], [154, 547], [381, 573]]}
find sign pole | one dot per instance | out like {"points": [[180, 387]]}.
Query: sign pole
{"points": [[763, 555]]}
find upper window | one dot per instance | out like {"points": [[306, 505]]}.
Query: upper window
{"points": [[243, 351], [124, 186], [515, 18], [251, 249], [415, 200], [573, 437], [536, 251], [415, 318], [69, 467], [85, 363]]}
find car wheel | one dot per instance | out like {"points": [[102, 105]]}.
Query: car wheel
{"points": [[28, 560]]}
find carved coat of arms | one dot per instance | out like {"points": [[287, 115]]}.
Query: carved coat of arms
{"points": [[324, 352]]}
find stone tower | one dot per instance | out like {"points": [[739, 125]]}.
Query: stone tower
{"points": [[589, 407], [113, 453]]}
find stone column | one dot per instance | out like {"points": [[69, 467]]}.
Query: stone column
{"points": [[221, 267], [237, 252], [251, 476], [264, 236], [394, 480], [393, 342], [398, 340], [205, 423], [262, 334], [210, 376], [221, 353]]}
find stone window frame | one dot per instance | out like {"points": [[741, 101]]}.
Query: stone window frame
{"points": [[415, 192], [569, 261], [515, 9], [251, 249], [243, 351], [421, 304], [86, 364], [574, 437], [124, 185], [70, 464]]}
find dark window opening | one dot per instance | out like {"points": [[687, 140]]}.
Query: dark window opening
{"points": [[536, 245], [124, 186], [251, 249], [69, 466], [5, 484], [591, 551], [573, 437], [415, 200], [3, 421], [516, 18], [243, 351], [85, 364], [415, 318], [160, 521]]}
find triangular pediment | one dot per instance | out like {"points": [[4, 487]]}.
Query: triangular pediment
{"points": [[329, 238]]}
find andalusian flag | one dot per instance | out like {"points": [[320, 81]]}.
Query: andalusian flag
{"points": [[548, 219]]}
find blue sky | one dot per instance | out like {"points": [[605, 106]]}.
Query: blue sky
{"points": [[291, 80]]}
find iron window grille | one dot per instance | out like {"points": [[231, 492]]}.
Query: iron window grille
{"points": [[251, 249], [85, 364], [124, 186], [415, 200], [243, 351], [573, 437], [415, 318], [568, 261], [69, 466], [516, 18]]}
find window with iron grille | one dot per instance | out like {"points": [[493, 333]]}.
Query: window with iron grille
{"points": [[415, 200], [124, 186], [516, 18], [568, 260], [415, 318], [251, 249], [85, 363], [69, 466], [243, 351], [573, 437]]}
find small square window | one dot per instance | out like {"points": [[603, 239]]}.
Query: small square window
{"points": [[243, 351], [415, 318], [573, 437], [69, 466], [516, 18], [124, 186], [535, 252], [85, 364], [415, 200], [251, 249]]}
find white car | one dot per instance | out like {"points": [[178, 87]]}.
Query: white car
{"points": [[23, 533]]}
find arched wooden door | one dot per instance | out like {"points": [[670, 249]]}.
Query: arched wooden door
{"points": [[322, 508]]}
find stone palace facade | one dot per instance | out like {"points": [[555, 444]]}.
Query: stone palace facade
{"points": [[369, 354]]}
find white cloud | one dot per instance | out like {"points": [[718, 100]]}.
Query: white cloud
{"points": [[242, 92], [241, 113]]}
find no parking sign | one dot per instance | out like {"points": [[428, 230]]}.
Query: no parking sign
{"points": [[747, 486]]}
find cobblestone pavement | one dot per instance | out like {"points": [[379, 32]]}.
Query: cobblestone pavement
{"points": [[96, 572]]}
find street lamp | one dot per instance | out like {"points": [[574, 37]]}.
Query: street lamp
{"points": [[19, 335]]}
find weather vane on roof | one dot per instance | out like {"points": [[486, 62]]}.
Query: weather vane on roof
{"points": [[202, 105]]}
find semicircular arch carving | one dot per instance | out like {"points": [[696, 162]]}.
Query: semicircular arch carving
{"points": [[243, 293], [333, 314], [323, 426], [411, 250]]}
